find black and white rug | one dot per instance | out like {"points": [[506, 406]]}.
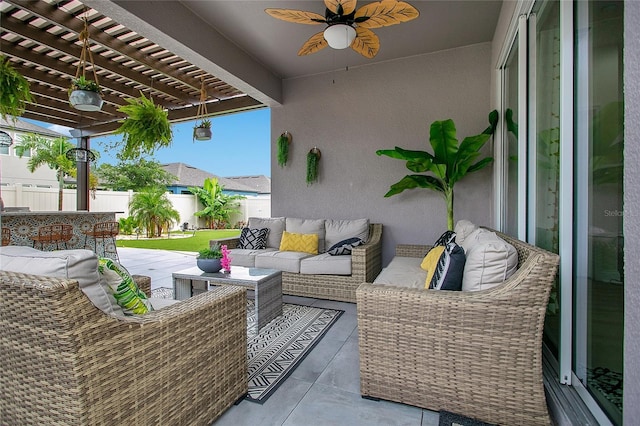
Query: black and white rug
{"points": [[448, 418], [274, 352]]}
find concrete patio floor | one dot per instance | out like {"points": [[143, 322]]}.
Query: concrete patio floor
{"points": [[323, 390]]}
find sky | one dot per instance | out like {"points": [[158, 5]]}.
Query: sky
{"points": [[239, 145]]}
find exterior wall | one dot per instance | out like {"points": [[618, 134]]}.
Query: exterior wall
{"points": [[15, 168], [46, 199], [350, 114], [632, 212]]}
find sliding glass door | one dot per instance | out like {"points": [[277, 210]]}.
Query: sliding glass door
{"points": [[561, 177]]}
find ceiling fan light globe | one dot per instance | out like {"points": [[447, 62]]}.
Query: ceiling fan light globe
{"points": [[340, 36]]}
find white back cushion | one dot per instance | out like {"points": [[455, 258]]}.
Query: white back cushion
{"points": [[342, 229], [275, 225], [79, 265], [308, 226]]}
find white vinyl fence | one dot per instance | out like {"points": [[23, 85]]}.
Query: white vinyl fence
{"points": [[46, 199]]}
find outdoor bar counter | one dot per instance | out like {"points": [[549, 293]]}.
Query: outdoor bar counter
{"points": [[25, 224]]}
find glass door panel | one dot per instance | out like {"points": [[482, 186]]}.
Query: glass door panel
{"points": [[546, 173], [510, 205], [599, 274]]}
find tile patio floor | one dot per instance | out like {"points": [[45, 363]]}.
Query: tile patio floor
{"points": [[323, 390]]}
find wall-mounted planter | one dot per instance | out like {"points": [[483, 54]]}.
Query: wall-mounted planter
{"points": [[85, 100], [283, 148], [313, 162]]}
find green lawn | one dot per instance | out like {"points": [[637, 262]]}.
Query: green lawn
{"points": [[178, 243]]}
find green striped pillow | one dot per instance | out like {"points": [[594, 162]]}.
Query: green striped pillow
{"points": [[129, 297]]}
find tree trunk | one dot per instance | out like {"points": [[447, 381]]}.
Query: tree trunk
{"points": [[60, 186]]}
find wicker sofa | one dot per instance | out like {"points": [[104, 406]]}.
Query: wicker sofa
{"points": [[66, 362], [474, 353], [366, 263]]}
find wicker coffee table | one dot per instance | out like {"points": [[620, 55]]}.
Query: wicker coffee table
{"points": [[267, 284]]}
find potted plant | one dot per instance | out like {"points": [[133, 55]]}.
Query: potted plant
{"points": [[145, 129], [202, 131], [448, 164], [208, 259], [84, 95], [14, 90]]}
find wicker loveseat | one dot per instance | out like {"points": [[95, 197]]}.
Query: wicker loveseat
{"points": [[474, 353], [65, 362], [366, 263]]}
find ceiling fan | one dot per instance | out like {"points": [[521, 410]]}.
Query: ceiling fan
{"points": [[348, 27]]}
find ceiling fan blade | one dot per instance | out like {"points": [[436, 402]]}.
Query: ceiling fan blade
{"points": [[384, 13], [316, 42], [297, 16], [348, 6], [366, 43]]}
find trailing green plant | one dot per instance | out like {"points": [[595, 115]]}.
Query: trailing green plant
{"points": [[448, 164], [14, 90], [283, 149], [145, 129], [213, 252], [81, 83], [313, 161]]}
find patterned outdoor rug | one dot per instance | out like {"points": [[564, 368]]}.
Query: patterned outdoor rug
{"points": [[275, 352], [448, 418]]}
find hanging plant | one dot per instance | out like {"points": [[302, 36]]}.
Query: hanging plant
{"points": [[283, 148], [14, 90], [84, 95], [145, 129], [313, 160], [202, 130]]}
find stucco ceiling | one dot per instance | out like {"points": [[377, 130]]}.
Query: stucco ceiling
{"points": [[441, 25]]}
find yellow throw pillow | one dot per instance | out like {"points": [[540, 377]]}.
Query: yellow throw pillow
{"points": [[430, 262], [307, 243]]}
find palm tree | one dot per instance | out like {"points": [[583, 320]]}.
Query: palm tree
{"points": [[218, 207], [153, 210], [50, 152]]}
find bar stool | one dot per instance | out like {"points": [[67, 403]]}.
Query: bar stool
{"points": [[6, 236], [104, 231], [56, 233]]}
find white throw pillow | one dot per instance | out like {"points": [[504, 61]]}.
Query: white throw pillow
{"points": [[79, 265], [490, 260], [463, 229]]}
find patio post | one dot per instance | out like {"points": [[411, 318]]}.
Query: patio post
{"points": [[82, 178]]}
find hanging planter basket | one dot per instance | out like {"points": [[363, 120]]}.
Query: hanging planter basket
{"points": [[313, 161], [202, 130], [85, 100], [84, 95], [202, 133], [283, 148]]}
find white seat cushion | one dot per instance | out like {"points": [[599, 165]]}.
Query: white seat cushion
{"points": [[246, 257], [159, 303], [325, 264], [79, 265], [286, 261], [403, 272]]}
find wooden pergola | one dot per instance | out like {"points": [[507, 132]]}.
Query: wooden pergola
{"points": [[41, 39]]}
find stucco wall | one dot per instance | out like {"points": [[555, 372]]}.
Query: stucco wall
{"points": [[349, 114], [632, 212]]}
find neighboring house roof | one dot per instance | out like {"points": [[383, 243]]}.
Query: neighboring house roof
{"points": [[192, 176], [260, 183], [26, 127]]}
